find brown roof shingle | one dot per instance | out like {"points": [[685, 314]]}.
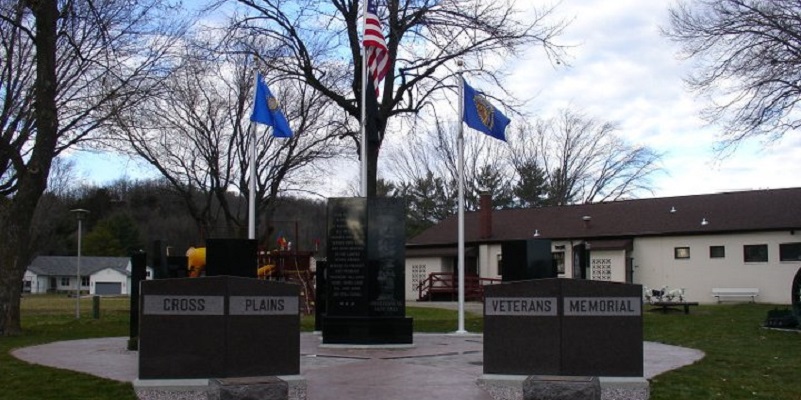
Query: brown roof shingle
{"points": [[757, 210]]}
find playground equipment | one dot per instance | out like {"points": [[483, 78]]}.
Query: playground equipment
{"points": [[291, 266], [285, 265], [196, 261]]}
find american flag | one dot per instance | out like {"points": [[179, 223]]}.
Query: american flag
{"points": [[374, 46]]}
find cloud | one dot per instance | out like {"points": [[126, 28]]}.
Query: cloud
{"points": [[624, 70]]}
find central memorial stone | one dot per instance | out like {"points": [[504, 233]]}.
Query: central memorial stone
{"points": [[365, 298]]}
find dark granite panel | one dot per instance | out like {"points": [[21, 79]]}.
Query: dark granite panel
{"points": [[176, 266], [606, 338], [386, 253], [177, 338], [263, 328], [138, 274], [522, 338], [347, 244], [232, 257], [527, 259]]}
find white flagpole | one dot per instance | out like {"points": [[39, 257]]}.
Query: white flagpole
{"points": [[460, 144], [363, 164], [252, 191], [252, 183]]}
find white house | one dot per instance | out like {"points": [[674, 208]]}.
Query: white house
{"points": [[748, 239], [99, 275]]}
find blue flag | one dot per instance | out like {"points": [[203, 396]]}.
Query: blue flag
{"points": [[266, 110], [480, 115]]}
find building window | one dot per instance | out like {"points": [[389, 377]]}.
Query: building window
{"points": [[418, 274], [559, 261], [65, 281], [500, 264], [755, 253], [601, 269], [681, 252], [790, 251], [84, 281], [717, 251]]}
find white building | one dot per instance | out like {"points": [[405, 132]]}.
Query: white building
{"points": [[749, 239], [99, 275]]}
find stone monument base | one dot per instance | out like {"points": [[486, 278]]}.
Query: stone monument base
{"points": [[261, 387], [290, 387], [510, 387], [367, 330], [539, 387]]}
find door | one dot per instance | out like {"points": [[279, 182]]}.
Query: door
{"points": [[102, 288]]}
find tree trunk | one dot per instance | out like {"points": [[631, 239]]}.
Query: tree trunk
{"points": [[16, 214], [10, 273], [372, 168]]}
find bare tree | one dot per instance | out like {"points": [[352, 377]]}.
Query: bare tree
{"points": [[433, 158], [66, 68], [321, 47], [747, 54], [197, 135], [583, 160]]}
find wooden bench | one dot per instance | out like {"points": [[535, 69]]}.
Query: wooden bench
{"points": [[721, 293], [667, 305]]}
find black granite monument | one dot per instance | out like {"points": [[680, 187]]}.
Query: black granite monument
{"points": [[177, 266], [365, 273], [527, 259], [232, 257], [218, 327], [138, 274], [158, 260], [788, 318], [565, 327]]}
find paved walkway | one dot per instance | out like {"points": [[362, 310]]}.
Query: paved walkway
{"points": [[437, 366]]}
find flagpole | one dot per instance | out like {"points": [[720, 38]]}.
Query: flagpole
{"points": [[460, 145], [252, 183], [252, 190], [363, 153]]}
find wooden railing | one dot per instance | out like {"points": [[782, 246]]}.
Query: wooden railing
{"points": [[447, 284]]}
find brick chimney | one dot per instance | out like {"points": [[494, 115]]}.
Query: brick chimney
{"points": [[485, 215]]}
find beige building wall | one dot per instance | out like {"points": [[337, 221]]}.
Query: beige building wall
{"points": [[488, 260], [418, 268], [656, 265]]}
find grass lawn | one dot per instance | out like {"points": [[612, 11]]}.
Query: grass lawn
{"points": [[743, 361], [49, 318]]}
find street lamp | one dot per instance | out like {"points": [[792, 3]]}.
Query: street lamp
{"points": [[80, 214]]}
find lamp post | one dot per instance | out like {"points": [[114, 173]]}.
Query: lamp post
{"points": [[80, 214]]}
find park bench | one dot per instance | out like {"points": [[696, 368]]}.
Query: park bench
{"points": [[721, 293]]}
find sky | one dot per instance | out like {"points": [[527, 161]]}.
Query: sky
{"points": [[621, 69]]}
